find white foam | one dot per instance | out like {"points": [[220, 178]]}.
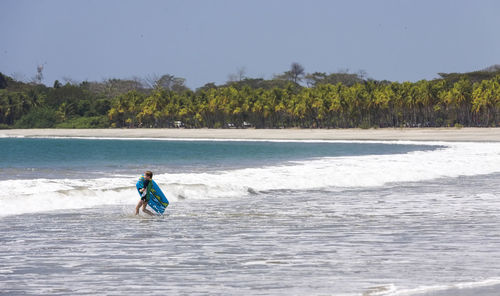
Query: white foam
{"points": [[463, 159], [455, 159], [436, 288], [40, 195], [406, 142]]}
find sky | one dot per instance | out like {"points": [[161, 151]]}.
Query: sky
{"points": [[206, 40]]}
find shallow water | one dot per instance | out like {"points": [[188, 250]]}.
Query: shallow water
{"points": [[399, 239], [257, 218]]}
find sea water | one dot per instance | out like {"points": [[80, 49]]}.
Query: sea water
{"points": [[250, 218]]}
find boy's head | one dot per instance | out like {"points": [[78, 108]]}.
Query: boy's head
{"points": [[148, 175]]}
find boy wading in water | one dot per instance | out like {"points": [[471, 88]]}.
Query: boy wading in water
{"points": [[148, 177]]}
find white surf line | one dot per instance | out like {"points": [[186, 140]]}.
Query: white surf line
{"points": [[437, 288], [398, 142]]}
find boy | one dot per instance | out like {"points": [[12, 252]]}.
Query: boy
{"points": [[147, 184]]}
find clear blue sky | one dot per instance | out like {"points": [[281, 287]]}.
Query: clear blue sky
{"points": [[206, 40]]}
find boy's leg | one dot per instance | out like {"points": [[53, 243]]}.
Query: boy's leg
{"points": [[139, 205], [144, 204]]}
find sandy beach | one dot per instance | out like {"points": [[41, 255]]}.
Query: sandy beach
{"points": [[389, 134]]}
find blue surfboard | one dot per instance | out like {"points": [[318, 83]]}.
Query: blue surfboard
{"points": [[157, 200]]}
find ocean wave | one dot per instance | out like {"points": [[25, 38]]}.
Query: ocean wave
{"points": [[329, 173], [401, 142], [464, 159], [392, 290]]}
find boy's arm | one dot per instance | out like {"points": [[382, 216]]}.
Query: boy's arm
{"points": [[144, 185]]}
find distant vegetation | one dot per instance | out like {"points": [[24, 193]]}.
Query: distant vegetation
{"points": [[291, 99]]}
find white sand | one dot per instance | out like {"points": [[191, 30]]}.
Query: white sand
{"points": [[416, 134]]}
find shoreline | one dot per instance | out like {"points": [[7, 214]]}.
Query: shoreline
{"points": [[382, 134]]}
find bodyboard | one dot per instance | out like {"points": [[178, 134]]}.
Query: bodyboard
{"points": [[156, 199]]}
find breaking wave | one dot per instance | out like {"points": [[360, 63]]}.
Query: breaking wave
{"points": [[329, 173]]}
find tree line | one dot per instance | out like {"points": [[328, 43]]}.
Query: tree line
{"points": [[291, 99]]}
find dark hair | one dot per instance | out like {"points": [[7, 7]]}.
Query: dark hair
{"points": [[149, 174]]}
